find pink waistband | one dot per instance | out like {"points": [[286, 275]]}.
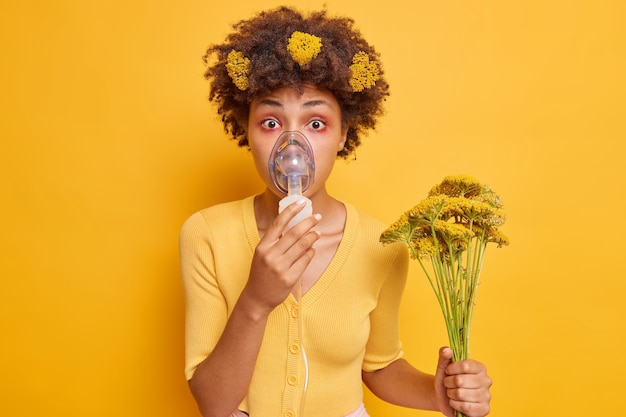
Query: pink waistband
{"points": [[359, 412]]}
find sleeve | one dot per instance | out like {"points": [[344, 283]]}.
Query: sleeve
{"points": [[205, 306], [384, 345]]}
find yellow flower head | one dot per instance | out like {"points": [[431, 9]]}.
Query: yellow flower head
{"points": [[364, 73], [428, 210], [488, 196], [458, 211], [491, 234], [238, 67], [468, 209], [457, 186], [496, 236], [303, 47], [423, 247], [452, 231], [399, 231]]}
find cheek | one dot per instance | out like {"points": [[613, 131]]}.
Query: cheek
{"points": [[324, 165], [260, 162]]}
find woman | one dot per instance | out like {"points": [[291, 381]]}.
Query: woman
{"points": [[289, 321]]}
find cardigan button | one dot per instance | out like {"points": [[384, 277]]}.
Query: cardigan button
{"points": [[289, 413], [294, 312], [294, 348], [292, 380]]}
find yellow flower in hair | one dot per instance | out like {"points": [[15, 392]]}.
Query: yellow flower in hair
{"points": [[364, 72], [238, 67], [303, 47]]}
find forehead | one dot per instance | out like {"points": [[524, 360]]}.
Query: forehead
{"points": [[308, 96]]}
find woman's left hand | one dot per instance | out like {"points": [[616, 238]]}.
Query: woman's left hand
{"points": [[462, 385]]}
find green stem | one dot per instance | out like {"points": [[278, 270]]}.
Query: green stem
{"points": [[481, 246], [469, 272], [442, 287]]}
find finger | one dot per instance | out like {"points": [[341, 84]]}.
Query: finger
{"points": [[302, 244], [277, 228], [469, 394], [470, 381], [301, 262], [445, 357], [467, 366], [303, 226], [471, 409]]}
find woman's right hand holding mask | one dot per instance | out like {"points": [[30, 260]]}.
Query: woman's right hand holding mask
{"points": [[280, 258]]}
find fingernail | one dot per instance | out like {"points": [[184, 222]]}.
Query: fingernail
{"points": [[318, 216], [301, 201]]}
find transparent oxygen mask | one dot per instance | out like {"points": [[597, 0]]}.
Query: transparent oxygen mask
{"points": [[292, 170]]}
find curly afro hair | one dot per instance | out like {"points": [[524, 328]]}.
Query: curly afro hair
{"points": [[263, 41]]}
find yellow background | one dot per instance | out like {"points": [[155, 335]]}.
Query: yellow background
{"points": [[109, 143]]}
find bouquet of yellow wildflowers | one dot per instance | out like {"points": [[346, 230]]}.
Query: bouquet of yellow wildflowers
{"points": [[451, 229]]}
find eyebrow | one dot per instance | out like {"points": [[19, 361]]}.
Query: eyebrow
{"points": [[310, 103]]}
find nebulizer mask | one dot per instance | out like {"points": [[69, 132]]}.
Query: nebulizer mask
{"points": [[292, 170]]}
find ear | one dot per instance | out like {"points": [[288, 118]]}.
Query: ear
{"points": [[344, 137]]}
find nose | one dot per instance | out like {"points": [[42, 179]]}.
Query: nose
{"points": [[291, 161]]}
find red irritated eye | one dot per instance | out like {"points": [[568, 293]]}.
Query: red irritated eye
{"points": [[270, 124], [317, 125]]}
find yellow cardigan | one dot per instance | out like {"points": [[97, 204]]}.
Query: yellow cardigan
{"points": [[350, 315]]}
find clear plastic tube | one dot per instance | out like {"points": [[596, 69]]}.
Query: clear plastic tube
{"points": [[305, 361], [292, 170]]}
